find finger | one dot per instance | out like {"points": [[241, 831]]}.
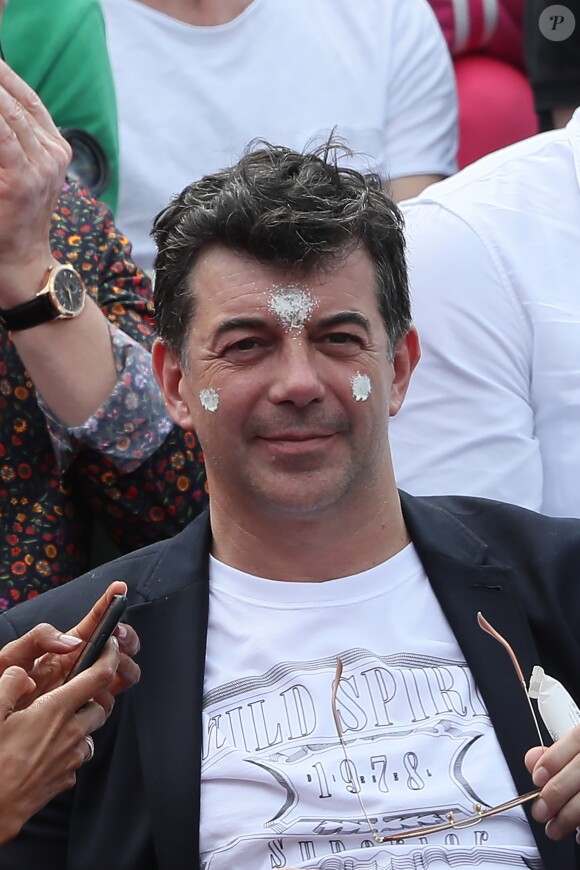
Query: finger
{"points": [[557, 756], [20, 136], [106, 701], [128, 673], [558, 770], [87, 625], [11, 154], [91, 717], [90, 745], [86, 685], [14, 683], [128, 639], [41, 639], [566, 821], [29, 100]]}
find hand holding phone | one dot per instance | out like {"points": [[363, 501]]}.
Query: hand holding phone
{"points": [[99, 637]]}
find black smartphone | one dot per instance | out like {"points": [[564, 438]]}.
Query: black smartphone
{"points": [[103, 631]]}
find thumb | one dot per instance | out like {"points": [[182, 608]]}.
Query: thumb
{"points": [[533, 756], [14, 683]]}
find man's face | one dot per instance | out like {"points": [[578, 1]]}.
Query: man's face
{"points": [[288, 383]]}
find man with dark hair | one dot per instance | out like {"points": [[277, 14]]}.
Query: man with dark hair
{"points": [[316, 690], [296, 211]]}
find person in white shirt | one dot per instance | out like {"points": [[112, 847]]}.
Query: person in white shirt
{"points": [[494, 258], [196, 80]]}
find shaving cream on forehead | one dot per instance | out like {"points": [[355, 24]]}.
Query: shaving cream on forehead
{"points": [[361, 387], [291, 305], [209, 400]]}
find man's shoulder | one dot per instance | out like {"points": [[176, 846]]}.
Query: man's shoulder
{"points": [[520, 172], [152, 572], [492, 510], [510, 531]]}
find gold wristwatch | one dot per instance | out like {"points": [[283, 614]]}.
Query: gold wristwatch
{"points": [[61, 297]]}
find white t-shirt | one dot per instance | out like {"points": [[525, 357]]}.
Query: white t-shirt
{"points": [[191, 98], [493, 408], [275, 782]]}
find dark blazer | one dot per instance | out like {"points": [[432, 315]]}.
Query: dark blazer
{"points": [[136, 804]]}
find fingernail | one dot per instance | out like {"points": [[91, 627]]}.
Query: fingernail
{"points": [[540, 777], [114, 641], [122, 630], [70, 640], [540, 810]]}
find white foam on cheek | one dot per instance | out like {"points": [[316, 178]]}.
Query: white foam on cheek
{"points": [[292, 306], [209, 400], [361, 387]]}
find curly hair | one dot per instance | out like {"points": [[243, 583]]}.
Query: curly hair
{"points": [[298, 211]]}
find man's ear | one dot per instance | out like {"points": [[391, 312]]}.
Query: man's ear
{"points": [[406, 356], [169, 375]]}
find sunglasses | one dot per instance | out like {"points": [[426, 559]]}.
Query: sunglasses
{"points": [[451, 821]]}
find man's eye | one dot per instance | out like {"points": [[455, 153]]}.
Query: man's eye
{"points": [[245, 344], [340, 338]]}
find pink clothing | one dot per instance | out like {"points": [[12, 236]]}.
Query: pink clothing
{"points": [[490, 26], [496, 106]]}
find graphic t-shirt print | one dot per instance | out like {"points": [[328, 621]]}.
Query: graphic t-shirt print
{"points": [[279, 790]]}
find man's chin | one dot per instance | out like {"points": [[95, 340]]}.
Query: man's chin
{"points": [[300, 501]]}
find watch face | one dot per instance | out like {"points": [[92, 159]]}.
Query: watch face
{"points": [[68, 292]]}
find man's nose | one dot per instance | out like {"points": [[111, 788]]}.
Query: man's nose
{"points": [[296, 376]]}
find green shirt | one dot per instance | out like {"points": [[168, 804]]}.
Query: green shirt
{"points": [[59, 47]]}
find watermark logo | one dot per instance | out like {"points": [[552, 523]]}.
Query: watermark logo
{"points": [[557, 23]]}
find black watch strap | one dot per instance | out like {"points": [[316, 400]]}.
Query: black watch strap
{"points": [[32, 313]]}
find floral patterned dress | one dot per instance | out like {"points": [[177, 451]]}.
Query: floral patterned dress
{"points": [[46, 513]]}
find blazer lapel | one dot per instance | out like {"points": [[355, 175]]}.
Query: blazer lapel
{"points": [[168, 699], [466, 580]]}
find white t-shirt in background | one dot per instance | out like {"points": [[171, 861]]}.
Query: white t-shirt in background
{"points": [[191, 98], [275, 782], [493, 408]]}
